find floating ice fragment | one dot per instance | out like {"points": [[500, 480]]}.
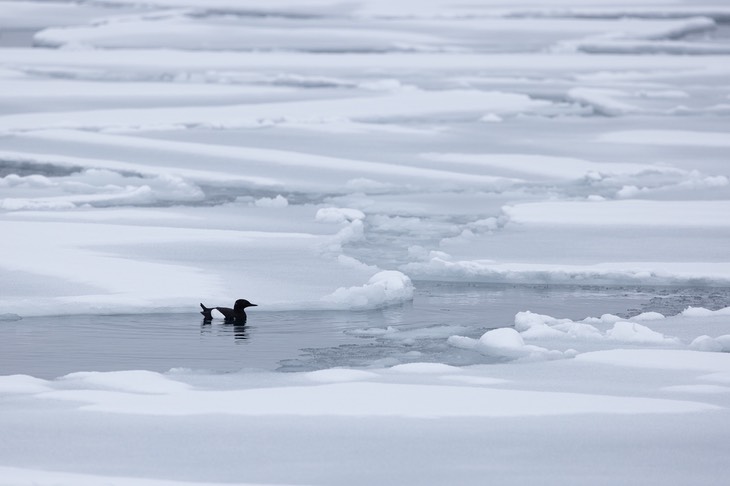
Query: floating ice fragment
{"points": [[505, 342], [705, 343], [648, 316], [716, 181], [724, 342], [372, 331], [603, 101], [491, 118], [30, 181], [631, 332], [486, 224], [542, 331], [354, 231], [272, 202], [384, 288], [604, 319], [628, 192], [18, 204], [462, 342], [504, 337], [579, 330], [339, 215], [525, 320], [702, 312]]}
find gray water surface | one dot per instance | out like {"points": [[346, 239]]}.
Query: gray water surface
{"points": [[48, 347]]}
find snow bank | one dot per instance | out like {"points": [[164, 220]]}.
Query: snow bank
{"points": [[343, 402], [134, 381], [346, 393], [243, 409], [366, 399], [661, 359], [10, 384]]}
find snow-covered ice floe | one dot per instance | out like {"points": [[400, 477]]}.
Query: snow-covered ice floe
{"points": [[538, 337], [338, 393]]}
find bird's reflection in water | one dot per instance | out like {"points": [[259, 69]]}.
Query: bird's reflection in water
{"points": [[205, 327], [240, 331]]}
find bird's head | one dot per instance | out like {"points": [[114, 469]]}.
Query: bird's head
{"points": [[242, 304]]}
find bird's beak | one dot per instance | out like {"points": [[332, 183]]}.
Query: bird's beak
{"points": [[254, 305]]}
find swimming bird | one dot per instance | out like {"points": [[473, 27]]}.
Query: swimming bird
{"points": [[237, 314]]}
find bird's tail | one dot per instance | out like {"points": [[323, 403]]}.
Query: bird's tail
{"points": [[206, 311]]}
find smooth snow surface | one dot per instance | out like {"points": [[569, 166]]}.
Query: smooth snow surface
{"points": [[336, 160]]}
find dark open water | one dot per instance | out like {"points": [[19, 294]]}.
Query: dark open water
{"points": [[48, 347]]}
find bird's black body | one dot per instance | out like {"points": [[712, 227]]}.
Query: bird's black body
{"points": [[237, 314]]}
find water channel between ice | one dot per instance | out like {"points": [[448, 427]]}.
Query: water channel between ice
{"points": [[48, 347]]}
